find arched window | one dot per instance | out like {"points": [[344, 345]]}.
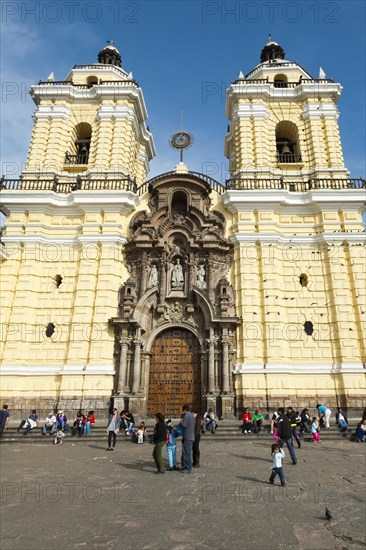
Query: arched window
{"points": [[81, 144], [280, 81], [91, 80], [179, 204], [287, 142]]}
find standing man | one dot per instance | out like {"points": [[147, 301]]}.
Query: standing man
{"points": [[4, 419], [188, 423], [285, 433]]}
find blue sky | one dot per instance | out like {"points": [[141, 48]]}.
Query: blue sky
{"points": [[179, 51]]}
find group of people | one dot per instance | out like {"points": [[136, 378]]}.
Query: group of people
{"points": [[56, 424], [165, 433]]}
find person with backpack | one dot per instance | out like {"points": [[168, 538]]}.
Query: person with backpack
{"points": [[159, 440], [285, 433]]}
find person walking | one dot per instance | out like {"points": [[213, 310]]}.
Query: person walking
{"points": [[114, 423], [285, 433], [291, 415], [189, 426], [197, 438], [326, 413], [159, 439]]}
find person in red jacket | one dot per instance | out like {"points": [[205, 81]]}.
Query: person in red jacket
{"points": [[247, 426]]}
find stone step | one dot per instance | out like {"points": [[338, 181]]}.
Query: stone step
{"points": [[99, 435]]}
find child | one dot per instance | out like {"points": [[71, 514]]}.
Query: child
{"points": [[274, 423], [141, 433], [59, 437], [171, 445], [278, 455], [315, 430]]}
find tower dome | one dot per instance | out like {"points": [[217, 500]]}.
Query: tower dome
{"points": [[272, 51], [109, 55]]}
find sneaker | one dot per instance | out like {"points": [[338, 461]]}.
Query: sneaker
{"points": [[245, 431], [294, 463], [271, 431], [299, 445], [111, 449], [283, 485], [271, 482], [249, 432]]}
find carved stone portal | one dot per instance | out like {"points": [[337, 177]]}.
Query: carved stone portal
{"points": [[179, 261]]}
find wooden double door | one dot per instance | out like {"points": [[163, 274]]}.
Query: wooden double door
{"points": [[175, 373]]}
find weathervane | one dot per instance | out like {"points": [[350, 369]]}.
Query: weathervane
{"points": [[181, 140]]}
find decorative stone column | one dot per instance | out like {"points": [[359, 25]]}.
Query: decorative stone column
{"points": [[121, 382], [225, 367], [211, 362], [136, 367]]}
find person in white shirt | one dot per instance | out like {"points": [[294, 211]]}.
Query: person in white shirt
{"points": [[50, 424], [278, 455]]}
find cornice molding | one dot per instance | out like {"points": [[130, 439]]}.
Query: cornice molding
{"points": [[49, 370], [240, 200], [299, 369]]}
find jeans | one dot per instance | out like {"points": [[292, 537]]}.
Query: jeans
{"points": [[172, 455], [306, 426], [290, 447], [257, 426], [187, 455], [60, 424], [111, 439], [27, 429], [51, 428], [279, 472], [128, 425], [157, 456]]}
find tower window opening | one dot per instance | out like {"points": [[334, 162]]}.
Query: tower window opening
{"points": [[81, 145], [91, 80], [287, 142], [280, 81], [179, 204]]}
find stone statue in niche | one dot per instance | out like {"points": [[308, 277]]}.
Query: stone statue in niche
{"points": [[177, 278], [153, 277], [201, 275]]}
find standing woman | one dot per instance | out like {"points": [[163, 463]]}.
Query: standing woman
{"points": [[196, 443], [114, 422], [159, 438]]}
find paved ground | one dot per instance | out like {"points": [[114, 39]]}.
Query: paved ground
{"points": [[79, 496]]}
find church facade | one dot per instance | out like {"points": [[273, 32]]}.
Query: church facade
{"points": [[180, 289]]}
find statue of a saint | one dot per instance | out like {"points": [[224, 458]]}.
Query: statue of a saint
{"points": [[153, 277], [177, 278], [200, 280]]}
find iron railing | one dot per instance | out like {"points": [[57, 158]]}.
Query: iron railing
{"points": [[294, 186], [79, 184], [128, 184], [214, 184]]}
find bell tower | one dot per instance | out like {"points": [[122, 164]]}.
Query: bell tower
{"points": [[283, 122], [91, 125]]}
